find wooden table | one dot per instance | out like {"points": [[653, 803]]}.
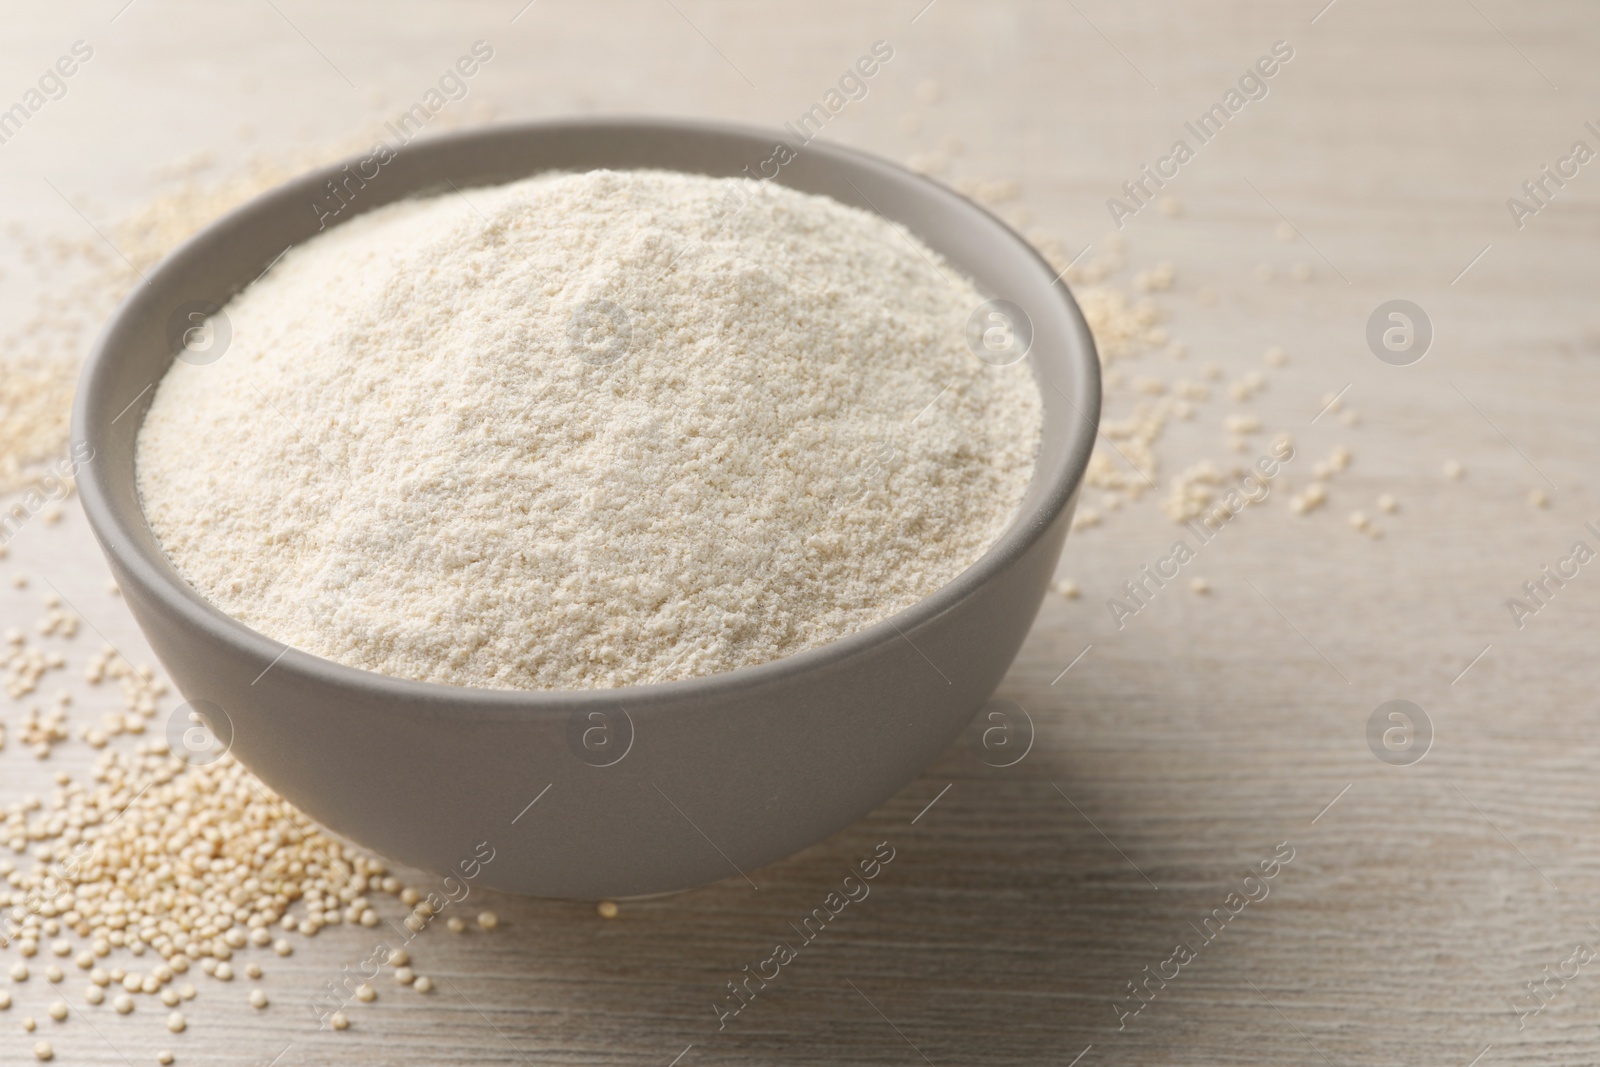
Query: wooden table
{"points": [[1179, 752]]}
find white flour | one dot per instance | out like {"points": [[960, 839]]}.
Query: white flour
{"points": [[609, 436]]}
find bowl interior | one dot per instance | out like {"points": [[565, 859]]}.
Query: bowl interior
{"points": [[136, 349]]}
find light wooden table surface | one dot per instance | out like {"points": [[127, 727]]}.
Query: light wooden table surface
{"points": [[1179, 751]]}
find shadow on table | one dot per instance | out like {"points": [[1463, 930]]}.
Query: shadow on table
{"points": [[986, 914]]}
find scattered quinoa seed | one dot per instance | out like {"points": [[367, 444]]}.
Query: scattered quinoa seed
{"points": [[58, 1011], [365, 993], [175, 1022], [1539, 498], [1388, 504], [164, 1057], [488, 920], [606, 909], [339, 1021], [1453, 469], [258, 998], [1200, 585], [423, 984], [43, 1051]]}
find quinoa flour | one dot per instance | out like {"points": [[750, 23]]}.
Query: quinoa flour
{"points": [[588, 430]]}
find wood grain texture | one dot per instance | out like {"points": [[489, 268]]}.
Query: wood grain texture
{"points": [[1180, 750]]}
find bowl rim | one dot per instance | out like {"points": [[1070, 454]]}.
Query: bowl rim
{"points": [[118, 528]]}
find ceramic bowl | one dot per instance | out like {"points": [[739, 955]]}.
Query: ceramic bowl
{"points": [[619, 792]]}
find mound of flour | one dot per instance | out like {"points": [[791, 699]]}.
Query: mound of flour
{"points": [[588, 430]]}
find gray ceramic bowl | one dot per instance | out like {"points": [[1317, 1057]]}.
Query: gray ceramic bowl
{"points": [[639, 790]]}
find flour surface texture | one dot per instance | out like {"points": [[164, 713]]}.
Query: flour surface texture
{"points": [[588, 430]]}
